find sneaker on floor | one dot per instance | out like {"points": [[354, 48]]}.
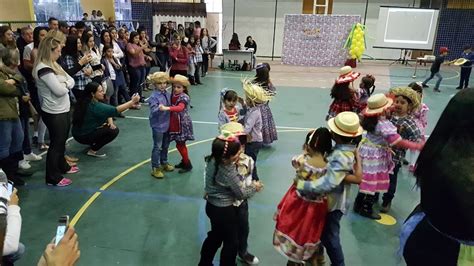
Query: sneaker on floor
{"points": [[157, 173], [425, 86], [32, 157], [96, 154], [167, 167], [24, 164], [73, 170], [458, 88], [186, 168], [436, 90], [249, 258], [63, 183]]}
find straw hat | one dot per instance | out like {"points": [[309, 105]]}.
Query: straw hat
{"points": [[460, 61], [233, 127], [159, 77], [180, 79], [409, 93], [346, 124], [376, 104], [255, 92], [347, 75]]}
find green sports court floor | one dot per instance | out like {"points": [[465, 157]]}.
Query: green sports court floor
{"points": [[126, 217]]}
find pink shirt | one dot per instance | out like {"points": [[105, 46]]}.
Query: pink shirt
{"points": [[137, 59]]}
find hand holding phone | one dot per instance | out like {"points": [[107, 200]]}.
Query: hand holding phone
{"points": [[63, 223]]}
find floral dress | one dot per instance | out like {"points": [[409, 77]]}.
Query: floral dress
{"points": [[181, 125], [300, 216], [376, 155], [269, 132]]}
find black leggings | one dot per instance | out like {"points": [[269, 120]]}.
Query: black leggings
{"points": [[58, 126], [99, 138], [224, 230]]}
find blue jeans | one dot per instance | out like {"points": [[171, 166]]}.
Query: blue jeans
{"points": [[10, 259], [25, 123], [11, 140], [137, 77], [161, 143], [438, 75], [331, 240]]}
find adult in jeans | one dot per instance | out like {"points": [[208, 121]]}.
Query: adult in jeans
{"points": [[92, 120], [136, 64], [223, 187], [162, 52], [53, 88], [11, 132]]}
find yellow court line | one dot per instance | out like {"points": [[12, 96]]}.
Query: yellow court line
{"points": [[91, 200]]}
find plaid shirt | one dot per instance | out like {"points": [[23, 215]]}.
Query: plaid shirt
{"points": [[224, 188], [408, 130], [198, 56], [80, 79], [340, 163]]}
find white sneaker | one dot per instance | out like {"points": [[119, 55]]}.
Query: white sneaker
{"points": [[23, 164], [32, 157]]}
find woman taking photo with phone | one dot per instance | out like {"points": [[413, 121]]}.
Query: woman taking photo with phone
{"points": [[53, 88], [92, 120]]}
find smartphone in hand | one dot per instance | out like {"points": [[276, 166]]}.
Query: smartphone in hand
{"points": [[63, 223], [10, 188]]}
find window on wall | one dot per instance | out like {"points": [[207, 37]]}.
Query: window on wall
{"points": [[61, 9], [123, 10]]}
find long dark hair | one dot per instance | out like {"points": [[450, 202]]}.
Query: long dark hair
{"points": [[369, 123], [102, 40], [71, 46], [218, 154], [83, 103], [341, 91], [368, 84], [262, 75], [444, 169], [235, 39], [319, 141], [36, 36]]}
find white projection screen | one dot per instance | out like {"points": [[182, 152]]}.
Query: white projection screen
{"points": [[406, 28]]}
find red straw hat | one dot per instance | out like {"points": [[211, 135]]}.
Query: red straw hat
{"points": [[347, 75]]}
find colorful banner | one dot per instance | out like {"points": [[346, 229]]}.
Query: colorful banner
{"points": [[316, 40]]}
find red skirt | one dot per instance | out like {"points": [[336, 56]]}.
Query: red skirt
{"points": [[299, 226]]}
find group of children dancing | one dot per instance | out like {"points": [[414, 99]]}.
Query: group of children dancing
{"points": [[365, 143]]}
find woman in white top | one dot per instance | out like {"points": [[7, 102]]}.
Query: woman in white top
{"points": [[53, 85], [207, 43], [89, 47]]}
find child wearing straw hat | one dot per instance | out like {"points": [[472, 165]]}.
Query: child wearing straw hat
{"points": [[376, 153], [181, 125], [344, 93], [160, 123], [406, 102], [254, 96], [345, 131]]}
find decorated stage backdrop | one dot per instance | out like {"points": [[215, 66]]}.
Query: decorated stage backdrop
{"points": [[316, 40]]}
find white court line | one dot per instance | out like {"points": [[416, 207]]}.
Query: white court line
{"points": [[46, 151], [215, 123]]}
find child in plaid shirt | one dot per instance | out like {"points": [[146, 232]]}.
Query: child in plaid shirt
{"points": [[406, 102]]}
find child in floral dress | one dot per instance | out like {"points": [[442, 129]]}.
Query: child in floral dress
{"points": [[181, 125], [344, 94], [262, 78], [232, 108], [293, 237], [375, 151]]}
